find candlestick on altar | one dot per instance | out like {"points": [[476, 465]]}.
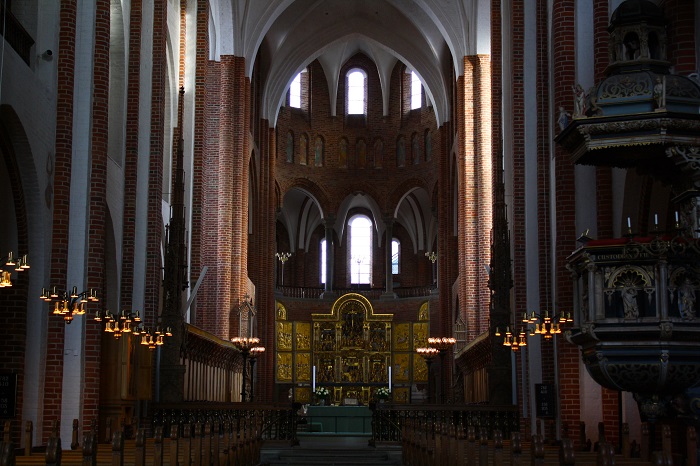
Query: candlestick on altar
{"points": [[389, 378], [313, 380]]}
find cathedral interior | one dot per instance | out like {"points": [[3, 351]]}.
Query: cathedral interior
{"points": [[470, 202]]}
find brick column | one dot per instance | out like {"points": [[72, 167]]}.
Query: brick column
{"points": [[154, 263], [264, 263], [97, 210], [61, 212], [563, 59], [224, 306], [199, 145], [209, 298], [131, 155]]}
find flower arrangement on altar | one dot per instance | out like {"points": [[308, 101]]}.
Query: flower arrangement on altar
{"points": [[383, 392], [322, 392]]}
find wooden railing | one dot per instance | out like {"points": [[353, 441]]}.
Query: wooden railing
{"points": [[388, 420], [236, 435], [278, 422], [186, 433]]}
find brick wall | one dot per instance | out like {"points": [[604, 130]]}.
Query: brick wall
{"points": [[331, 184]]}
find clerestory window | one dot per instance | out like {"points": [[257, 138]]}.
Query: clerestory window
{"points": [[416, 91], [360, 239], [356, 92], [395, 256], [322, 268]]}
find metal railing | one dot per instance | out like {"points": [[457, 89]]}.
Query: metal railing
{"points": [[301, 292]]}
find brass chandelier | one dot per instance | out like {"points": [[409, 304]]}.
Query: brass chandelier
{"points": [[544, 324], [69, 304], [18, 265]]}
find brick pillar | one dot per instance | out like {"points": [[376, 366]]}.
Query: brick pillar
{"points": [[199, 142], [225, 305], [154, 263], [515, 160], [61, 213], [97, 209], [681, 36], [265, 260], [565, 241], [209, 298], [240, 126], [131, 135]]}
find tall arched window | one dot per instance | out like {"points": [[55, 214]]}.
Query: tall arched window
{"points": [[356, 92], [360, 238], [416, 94], [295, 92], [322, 268], [395, 256]]}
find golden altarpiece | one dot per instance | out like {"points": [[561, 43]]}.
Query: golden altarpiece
{"points": [[351, 350]]}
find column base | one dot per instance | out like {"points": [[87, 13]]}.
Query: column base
{"points": [[389, 295]]}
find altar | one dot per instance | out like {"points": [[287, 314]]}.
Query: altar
{"points": [[339, 419]]}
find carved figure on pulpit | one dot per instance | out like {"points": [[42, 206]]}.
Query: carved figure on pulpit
{"points": [[687, 301], [629, 302]]}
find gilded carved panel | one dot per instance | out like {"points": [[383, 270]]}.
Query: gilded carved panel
{"points": [[420, 335], [402, 335], [424, 312], [303, 336], [284, 336], [284, 367], [400, 394], [378, 336], [401, 371], [420, 370], [378, 371], [302, 395], [302, 367]]}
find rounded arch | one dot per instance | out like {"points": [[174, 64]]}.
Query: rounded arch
{"points": [[362, 200], [25, 234], [413, 211], [300, 213]]}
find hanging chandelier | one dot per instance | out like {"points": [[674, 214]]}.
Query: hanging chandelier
{"points": [[18, 265], [542, 324], [546, 325], [511, 339], [68, 304], [129, 323]]}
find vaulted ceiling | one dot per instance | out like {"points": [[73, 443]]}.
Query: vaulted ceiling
{"points": [[429, 36]]}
